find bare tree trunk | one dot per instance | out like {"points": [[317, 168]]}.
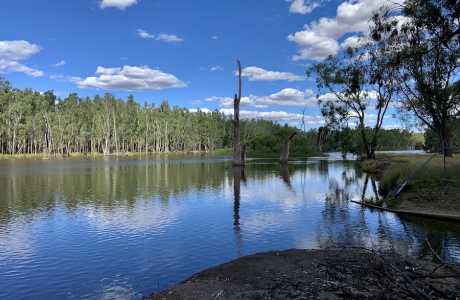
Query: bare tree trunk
{"points": [[115, 136], [243, 154], [237, 153], [284, 156]]}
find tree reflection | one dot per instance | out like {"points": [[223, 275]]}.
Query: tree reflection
{"points": [[284, 173], [365, 196], [238, 176]]}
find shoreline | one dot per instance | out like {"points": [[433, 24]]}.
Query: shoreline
{"points": [[430, 191], [78, 155], [437, 216], [349, 273]]}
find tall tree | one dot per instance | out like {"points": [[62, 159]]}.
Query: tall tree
{"points": [[357, 81], [425, 49]]}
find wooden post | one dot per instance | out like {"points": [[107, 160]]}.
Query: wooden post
{"points": [[284, 156], [238, 159]]}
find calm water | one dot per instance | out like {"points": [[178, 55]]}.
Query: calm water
{"points": [[117, 229]]}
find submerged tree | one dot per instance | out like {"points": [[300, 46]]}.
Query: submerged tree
{"points": [[284, 153], [238, 153]]}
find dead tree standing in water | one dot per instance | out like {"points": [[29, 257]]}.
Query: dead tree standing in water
{"points": [[238, 154], [284, 156]]}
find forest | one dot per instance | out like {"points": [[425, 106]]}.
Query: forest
{"points": [[406, 65], [33, 123]]}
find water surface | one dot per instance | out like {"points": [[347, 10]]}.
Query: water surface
{"points": [[123, 228]]}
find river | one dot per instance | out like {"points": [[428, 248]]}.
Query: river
{"points": [[120, 228]]}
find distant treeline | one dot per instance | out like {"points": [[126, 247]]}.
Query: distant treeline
{"points": [[349, 140], [33, 122]]}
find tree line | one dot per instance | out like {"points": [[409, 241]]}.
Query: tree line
{"points": [[33, 122]]}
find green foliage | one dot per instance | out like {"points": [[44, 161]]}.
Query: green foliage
{"points": [[349, 140], [33, 123], [425, 50]]}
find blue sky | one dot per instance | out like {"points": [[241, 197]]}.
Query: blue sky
{"points": [[183, 51]]}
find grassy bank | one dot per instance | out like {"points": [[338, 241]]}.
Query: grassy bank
{"points": [[430, 187]]}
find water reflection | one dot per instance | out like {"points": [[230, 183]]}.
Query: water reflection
{"points": [[88, 229]]}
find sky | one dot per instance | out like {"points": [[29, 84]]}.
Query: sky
{"points": [[182, 51]]}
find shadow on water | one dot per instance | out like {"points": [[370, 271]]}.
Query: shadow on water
{"points": [[122, 224]]}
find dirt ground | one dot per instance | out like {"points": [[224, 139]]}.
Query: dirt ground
{"points": [[442, 200], [320, 274]]}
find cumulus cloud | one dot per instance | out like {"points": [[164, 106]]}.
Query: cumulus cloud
{"points": [[319, 39], [285, 97], [131, 78], [14, 66], [12, 52], [120, 4], [259, 74], [17, 50], [303, 7], [204, 110], [277, 116]]}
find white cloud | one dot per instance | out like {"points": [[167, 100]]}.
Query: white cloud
{"points": [[259, 74], [215, 37], [17, 50], [303, 7], [278, 116], [319, 39], [14, 66], [120, 4], [144, 34], [130, 78], [204, 110], [216, 68], [285, 97], [12, 52], [59, 63], [170, 38]]}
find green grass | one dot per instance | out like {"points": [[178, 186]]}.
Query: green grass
{"points": [[431, 176]]}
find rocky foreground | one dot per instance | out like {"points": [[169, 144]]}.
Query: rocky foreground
{"points": [[320, 274]]}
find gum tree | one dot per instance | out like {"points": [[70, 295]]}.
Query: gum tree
{"points": [[357, 82], [425, 50]]}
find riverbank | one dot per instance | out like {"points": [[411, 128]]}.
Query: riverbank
{"points": [[429, 188], [77, 155], [352, 273]]}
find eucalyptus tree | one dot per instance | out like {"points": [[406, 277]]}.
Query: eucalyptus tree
{"points": [[425, 50], [355, 82]]}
